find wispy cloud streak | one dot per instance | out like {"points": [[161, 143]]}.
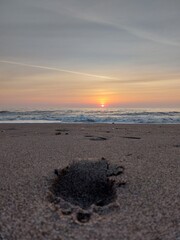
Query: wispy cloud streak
{"points": [[134, 31], [58, 70]]}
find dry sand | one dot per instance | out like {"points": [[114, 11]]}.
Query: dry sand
{"points": [[147, 207]]}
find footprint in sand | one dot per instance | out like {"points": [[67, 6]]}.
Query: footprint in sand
{"points": [[59, 131], [94, 138], [85, 187], [132, 137], [177, 145]]}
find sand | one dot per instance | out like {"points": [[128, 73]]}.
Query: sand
{"points": [[146, 207]]}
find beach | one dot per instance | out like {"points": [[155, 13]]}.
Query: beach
{"points": [[147, 206]]}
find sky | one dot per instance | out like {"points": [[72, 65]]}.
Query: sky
{"points": [[85, 53]]}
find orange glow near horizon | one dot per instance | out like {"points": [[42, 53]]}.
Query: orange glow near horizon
{"points": [[103, 101], [28, 88]]}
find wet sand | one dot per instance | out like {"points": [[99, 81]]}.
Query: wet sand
{"points": [[146, 207]]}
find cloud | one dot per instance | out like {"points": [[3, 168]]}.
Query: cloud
{"points": [[150, 36], [58, 70], [148, 79], [129, 28]]}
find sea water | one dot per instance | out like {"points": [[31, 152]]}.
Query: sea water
{"points": [[91, 115]]}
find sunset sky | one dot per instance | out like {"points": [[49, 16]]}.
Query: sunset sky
{"points": [[73, 53]]}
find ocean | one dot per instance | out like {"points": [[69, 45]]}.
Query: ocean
{"points": [[92, 115]]}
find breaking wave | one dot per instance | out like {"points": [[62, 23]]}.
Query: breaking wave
{"points": [[116, 115]]}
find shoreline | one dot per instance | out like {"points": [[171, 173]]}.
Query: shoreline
{"points": [[88, 123]]}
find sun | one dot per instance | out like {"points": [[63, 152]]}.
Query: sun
{"points": [[102, 102]]}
